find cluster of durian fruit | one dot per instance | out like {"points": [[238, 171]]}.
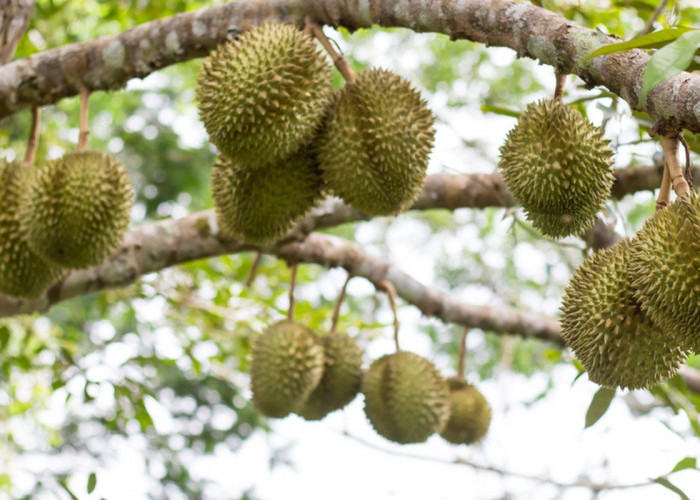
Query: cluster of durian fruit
{"points": [[294, 370], [630, 312], [68, 213], [287, 139]]}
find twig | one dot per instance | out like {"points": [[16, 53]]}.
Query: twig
{"points": [[688, 164], [664, 197], [559, 89], [338, 303], [84, 113], [340, 62], [292, 284], [388, 287], [649, 26], [253, 270], [462, 354], [670, 144], [33, 141]]}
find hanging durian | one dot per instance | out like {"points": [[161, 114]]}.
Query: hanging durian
{"points": [[612, 337], [75, 209], [262, 96], [470, 413], [406, 398], [375, 143], [22, 272], [558, 167], [287, 366]]}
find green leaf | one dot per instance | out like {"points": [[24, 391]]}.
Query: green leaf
{"points": [[669, 61], [92, 482], [685, 463], [654, 40], [599, 405], [668, 484]]}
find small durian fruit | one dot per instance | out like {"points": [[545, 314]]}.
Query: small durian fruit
{"points": [[342, 375], [75, 209], [665, 269], [556, 162], [262, 96], [406, 399], [605, 326], [22, 272], [261, 205], [375, 143], [287, 366], [470, 413]]}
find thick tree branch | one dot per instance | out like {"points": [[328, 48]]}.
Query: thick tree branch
{"points": [[107, 63], [14, 19]]}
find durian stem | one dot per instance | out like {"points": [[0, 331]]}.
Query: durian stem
{"points": [[33, 141], [338, 303], [559, 89], [688, 164], [253, 270], [292, 284], [84, 110], [388, 287], [340, 62], [462, 354], [664, 197], [670, 146]]}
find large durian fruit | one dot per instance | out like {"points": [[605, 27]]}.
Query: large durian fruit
{"points": [[375, 143], [342, 375], [263, 95], [406, 398], [605, 326], [287, 366], [558, 167], [470, 413], [261, 205], [22, 272], [75, 209], [666, 269]]}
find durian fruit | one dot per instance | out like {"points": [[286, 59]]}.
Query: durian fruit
{"points": [[558, 167], [287, 366], [75, 209], [605, 326], [406, 399], [263, 95], [22, 272], [666, 269], [342, 375], [470, 413], [261, 205], [375, 143]]}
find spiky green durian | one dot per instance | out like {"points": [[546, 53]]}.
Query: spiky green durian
{"points": [[287, 366], [75, 209], [406, 399], [665, 269], [560, 225], [612, 337], [555, 162], [470, 413], [342, 374], [263, 95], [22, 272], [375, 143], [261, 205]]}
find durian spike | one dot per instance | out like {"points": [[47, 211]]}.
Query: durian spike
{"points": [[253, 270], [33, 140], [388, 287], [462, 354], [670, 145], [338, 303], [559, 89], [292, 284], [664, 197], [84, 114], [338, 60]]}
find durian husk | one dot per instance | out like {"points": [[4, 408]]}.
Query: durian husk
{"points": [[22, 272], [406, 398], [261, 205], [75, 210], [556, 163], [375, 143], [666, 269], [470, 413], [605, 326], [342, 375], [287, 366], [263, 95]]}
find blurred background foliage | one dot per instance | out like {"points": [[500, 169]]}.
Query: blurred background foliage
{"points": [[94, 370]]}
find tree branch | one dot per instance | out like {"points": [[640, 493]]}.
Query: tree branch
{"points": [[107, 63], [14, 19]]}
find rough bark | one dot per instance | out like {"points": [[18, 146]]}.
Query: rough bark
{"points": [[107, 63], [14, 19]]}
